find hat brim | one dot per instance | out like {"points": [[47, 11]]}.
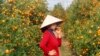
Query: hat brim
{"points": [[60, 22]]}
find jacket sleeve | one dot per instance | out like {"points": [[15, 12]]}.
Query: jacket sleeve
{"points": [[59, 41], [44, 41]]}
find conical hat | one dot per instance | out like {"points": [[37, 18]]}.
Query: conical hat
{"points": [[50, 20]]}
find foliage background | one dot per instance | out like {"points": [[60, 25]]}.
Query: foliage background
{"points": [[19, 27], [83, 27], [20, 21]]}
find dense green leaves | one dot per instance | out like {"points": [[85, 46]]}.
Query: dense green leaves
{"points": [[19, 27], [83, 27]]}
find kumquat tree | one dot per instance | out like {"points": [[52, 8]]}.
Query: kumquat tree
{"points": [[82, 27], [19, 30]]}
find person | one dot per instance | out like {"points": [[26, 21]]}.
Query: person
{"points": [[52, 35]]}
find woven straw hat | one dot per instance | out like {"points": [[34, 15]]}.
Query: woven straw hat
{"points": [[50, 20]]}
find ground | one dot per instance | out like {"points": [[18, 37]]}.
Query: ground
{"points": [[65, 49]]}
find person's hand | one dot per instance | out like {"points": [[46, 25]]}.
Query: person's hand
{"points": [[52, 53], [59, 32]]}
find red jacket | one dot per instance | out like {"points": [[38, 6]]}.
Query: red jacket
{"points": [[50, 42]]}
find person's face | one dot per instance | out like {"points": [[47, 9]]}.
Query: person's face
{"points": [[53, 26]]}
